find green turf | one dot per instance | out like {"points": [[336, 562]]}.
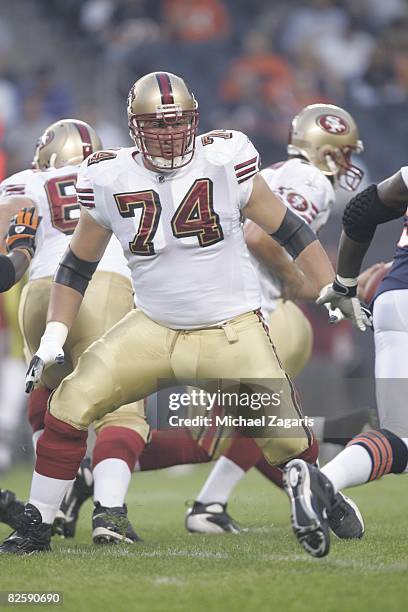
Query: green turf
{"points": [[263, 570]]}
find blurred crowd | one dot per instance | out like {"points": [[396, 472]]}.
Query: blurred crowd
{"points": [[252, 64]]}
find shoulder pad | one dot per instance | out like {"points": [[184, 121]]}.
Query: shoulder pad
{"points": [[221, 146]]}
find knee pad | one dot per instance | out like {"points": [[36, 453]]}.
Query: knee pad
{"points": [[118, 443], [37, 407], [387, 451], [60, 449]]}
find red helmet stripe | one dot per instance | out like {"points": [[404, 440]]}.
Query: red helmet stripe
{"points": [[166, 92], [86, 139]]}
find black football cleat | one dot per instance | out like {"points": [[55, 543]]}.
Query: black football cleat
{"points": [[112, 526], [311, 496], [31, 536], [11, 508], [82, 489], [345, 519], [210, 518]]}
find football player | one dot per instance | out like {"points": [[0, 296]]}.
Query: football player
{"points": [[372, 454], [175, 203], [48, 193], [322, 139]]}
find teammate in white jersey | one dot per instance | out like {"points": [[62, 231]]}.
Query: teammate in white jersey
{"points": [[322, 138], [50, 189], [371, 454], [175, 205]]}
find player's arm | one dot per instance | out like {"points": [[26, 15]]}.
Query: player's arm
{"points": [[274, 257], [20, 245], [291, 232], [375, 205], [71, 279]]}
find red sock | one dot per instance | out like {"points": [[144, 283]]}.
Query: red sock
{"points": [[37, 407], [116, 442], [243, 451], [60, 449], [171, 447], [275, 472]]}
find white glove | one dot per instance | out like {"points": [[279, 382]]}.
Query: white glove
{"points": [[341, 301], [49, 351]]}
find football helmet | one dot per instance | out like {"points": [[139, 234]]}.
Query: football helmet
{"points": [[327, 135], [66, 142], [163, 120]]}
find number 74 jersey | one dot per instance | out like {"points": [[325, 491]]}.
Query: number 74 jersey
{"points": [[53, 193], [181, 232]]}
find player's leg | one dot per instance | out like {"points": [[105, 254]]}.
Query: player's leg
{"points": [[120, 368], [292, 337], [121, 438], [373, 454], [12, 397], [243, 349]]}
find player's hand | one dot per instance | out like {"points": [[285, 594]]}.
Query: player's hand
{"points": [[342, 303], [48, 352], [22, 230]]}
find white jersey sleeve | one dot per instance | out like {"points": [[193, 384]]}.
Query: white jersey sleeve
{"points": [[93, 175], [302, 188], [21, 184]]}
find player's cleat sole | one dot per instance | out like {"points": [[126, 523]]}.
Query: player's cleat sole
{"points": [[210, 518], [31, 536], [81, 490], [310, 494], [10, 508], [345, 519], [112, 526]]}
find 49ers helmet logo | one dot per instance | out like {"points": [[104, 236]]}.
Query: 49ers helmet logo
{"points": [[333, 124], [46, 139]]}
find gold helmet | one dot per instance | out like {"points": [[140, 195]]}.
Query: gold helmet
{"points": [[66, 142], [163, 120], [327, 135]]}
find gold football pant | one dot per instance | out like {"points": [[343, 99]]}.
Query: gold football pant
{"points": [[108, 299], [292, 336], [126, 364]]}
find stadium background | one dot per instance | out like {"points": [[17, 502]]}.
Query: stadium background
{"points": [[252, 65]]}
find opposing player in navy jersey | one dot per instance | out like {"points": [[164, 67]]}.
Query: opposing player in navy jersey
{"points": [[372, 454]]}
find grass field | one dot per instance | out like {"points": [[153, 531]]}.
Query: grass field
{"points": [[259, 571]]}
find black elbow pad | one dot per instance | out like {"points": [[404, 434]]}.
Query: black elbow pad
{"points": [[7, 273], [364, 212], [75, 272], [294, 234]]}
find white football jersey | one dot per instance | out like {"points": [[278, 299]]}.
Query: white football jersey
{"points": [[53, 192], [309, 193], [181, 232]]}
